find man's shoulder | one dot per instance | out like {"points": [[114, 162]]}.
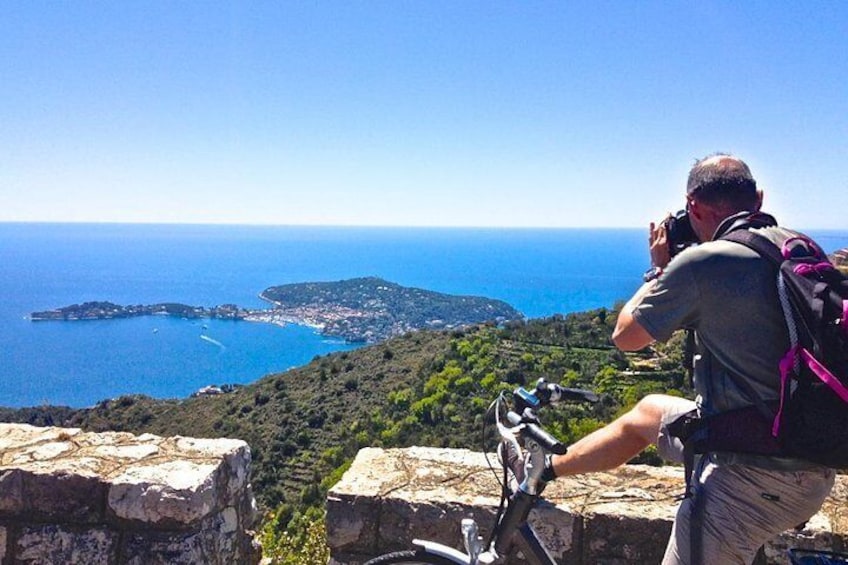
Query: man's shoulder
{"points": [[776, 234], [715, 259], [718, 248], [733, 246], [710, 252]]}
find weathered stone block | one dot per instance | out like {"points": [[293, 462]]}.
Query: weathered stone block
{"points": [[217, 541], [70, 497], [12, 500], [356, 521], [558, 528], [618, 539], [56, 544], [157, 548], [64, 497], [24, 436], [172, 492]]}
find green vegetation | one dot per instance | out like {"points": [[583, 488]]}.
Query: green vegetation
{"points": [[840, 259], [108, 310], [295, 541], [423, 388]]}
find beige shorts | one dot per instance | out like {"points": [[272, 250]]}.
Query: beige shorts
{"points": [[669, 447], [741, 506]]}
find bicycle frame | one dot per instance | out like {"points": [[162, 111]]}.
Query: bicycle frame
{"points": [[526, 540], [529, 544]]}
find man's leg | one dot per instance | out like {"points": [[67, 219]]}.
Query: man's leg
{"points": [[743, 507], [621, 440]]}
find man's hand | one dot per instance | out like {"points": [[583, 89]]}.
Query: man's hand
{"points": [[658, 244]]}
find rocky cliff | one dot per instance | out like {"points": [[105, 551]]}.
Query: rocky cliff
{"points": [[67, 496]]}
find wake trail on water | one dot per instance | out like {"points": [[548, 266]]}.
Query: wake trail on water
{"points": [[212, 341]]}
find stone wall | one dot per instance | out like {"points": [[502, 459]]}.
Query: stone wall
{"points": [[389, 497], [72, 497]]}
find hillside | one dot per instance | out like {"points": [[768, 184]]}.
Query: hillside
{"points": [[423, 388]]}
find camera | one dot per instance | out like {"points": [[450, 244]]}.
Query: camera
{"points": [[679, 231]]}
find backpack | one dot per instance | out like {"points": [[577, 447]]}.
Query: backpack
{"points": [[811, 419]]}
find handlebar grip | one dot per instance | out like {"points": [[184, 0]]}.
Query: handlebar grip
{"points": [[559, 393], [546, 440]]}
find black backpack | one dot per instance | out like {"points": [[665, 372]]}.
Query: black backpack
{"points": [[811, 420]]}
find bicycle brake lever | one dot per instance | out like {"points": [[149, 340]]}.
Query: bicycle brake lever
{"points": [[529, 416], [507, 433]]}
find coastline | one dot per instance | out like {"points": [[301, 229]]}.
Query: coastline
{"points": [[358, 310], [281, 319]]}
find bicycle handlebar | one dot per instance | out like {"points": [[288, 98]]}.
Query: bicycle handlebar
{"points": [[548, 442], [526, 402], [549, 393], [572, 394]]}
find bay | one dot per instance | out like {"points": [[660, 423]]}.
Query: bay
{"points": [[43, 266]]}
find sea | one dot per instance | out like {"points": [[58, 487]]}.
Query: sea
{"points": [[44, 266]]}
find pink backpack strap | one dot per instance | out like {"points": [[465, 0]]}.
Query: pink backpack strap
{"points": [[845, 316], [786, 373]]}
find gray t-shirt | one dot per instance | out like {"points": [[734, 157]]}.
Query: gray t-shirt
{"points": [[727, 293]]}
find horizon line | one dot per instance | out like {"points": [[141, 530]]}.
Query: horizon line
{"points": [[345, 226], [294, 225]]}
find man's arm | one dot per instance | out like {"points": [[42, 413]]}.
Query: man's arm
{"points": [[629, 335]]}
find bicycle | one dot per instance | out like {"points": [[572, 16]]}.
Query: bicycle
{"points": [[520, 430]]}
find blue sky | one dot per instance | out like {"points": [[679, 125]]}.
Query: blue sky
{"points": [[429, 113]]}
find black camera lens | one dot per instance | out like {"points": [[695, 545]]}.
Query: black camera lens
{"points": [[679, 232]]}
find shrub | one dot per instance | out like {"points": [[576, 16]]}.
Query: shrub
{"points": [[297, 540]]}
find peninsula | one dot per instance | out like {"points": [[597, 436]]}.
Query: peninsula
{"points": [[371, 309], [361, 310], [108, 311]]}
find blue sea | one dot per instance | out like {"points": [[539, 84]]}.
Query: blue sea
{"points": [[46, 266]]}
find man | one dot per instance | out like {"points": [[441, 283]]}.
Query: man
{"points": [[727, 294]]}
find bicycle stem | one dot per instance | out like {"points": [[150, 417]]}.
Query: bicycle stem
{"points": [[534, 466], [523, 499]]}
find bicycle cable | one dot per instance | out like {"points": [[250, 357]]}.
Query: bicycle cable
{"points": [[503, 482]]}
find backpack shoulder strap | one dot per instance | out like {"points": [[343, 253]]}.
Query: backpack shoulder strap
{"points": [[771, 252], [759, 243]]}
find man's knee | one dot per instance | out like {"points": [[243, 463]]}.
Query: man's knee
{"points": [[647, 415], [651, 408]]}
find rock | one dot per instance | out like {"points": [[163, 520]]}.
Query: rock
{"points": [[67, 496]]}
